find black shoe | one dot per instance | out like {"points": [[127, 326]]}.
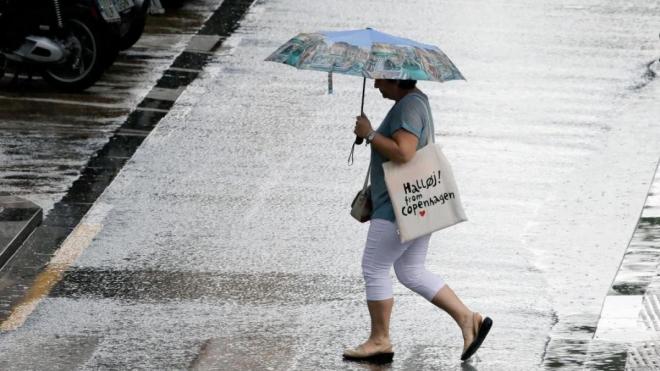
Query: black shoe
{"points": [[483, 330], [357, 355]]}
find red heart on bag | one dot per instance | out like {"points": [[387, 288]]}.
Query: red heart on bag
{"points": [[421, 213]]}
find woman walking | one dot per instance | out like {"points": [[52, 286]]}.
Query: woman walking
{"points": [[403, 131]]}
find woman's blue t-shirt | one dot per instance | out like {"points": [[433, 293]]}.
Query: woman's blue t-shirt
{"points": [[410, 114]]}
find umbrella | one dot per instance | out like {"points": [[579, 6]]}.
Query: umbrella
{"points": [[367, 53]]}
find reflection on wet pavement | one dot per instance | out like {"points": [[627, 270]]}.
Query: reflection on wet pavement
{"points": [[239, 288], [50, 353], [230, 354], [641, 260], [568, 347]]}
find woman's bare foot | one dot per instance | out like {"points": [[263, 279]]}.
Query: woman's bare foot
{"points": [[470, 327], [371, 346]]}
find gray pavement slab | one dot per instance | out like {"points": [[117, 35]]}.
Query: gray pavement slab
{"points": [[203, 43], [165, 94]]}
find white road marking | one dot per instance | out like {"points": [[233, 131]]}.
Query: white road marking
{"points": [[64, 101]]}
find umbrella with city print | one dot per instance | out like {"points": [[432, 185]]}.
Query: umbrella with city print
{"points": [[367, 53]]}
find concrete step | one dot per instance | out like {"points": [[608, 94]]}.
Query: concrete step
{"points": [[18, 218]]}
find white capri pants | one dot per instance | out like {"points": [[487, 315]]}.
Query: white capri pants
{"points": [[384, 249]]}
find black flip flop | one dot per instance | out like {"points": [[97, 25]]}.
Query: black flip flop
{"points": [[378, 358], [486, 324]]}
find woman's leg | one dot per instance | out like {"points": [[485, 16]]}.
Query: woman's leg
{"points": [[447, 300], [412, 273], [380, 312], [383, 247]]}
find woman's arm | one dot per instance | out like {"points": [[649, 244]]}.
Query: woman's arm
{"points": [[400, 148]]}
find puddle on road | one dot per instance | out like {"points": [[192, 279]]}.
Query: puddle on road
{"points": [[48, 353], [570, 354], [569, 345], [272, 353], [652, 70], [604, 356], [36, 114], [640, 262], [235, 287], [179, 22]]}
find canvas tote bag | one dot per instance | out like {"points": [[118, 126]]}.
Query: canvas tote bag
{"points": [[423, 191]]}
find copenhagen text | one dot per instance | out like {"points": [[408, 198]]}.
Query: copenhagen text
{"points": [[419, 205]]}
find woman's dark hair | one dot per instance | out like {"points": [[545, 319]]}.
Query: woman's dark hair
{"points": [[405, 84]]}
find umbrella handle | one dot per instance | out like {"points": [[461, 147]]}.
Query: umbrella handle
{"points": [[359, 140]]}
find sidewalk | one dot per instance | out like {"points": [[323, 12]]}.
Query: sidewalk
{"points": [[225, 242], [631, 310]]}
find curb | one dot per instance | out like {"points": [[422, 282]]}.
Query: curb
{"points": [[631, 309], [18, 219]]}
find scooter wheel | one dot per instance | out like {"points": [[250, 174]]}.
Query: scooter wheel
{"points": [[173, 4], [3, 65], [136, 29], [86, 59]]}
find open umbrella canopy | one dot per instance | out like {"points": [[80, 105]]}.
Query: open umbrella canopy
{"points": [[367, 53]]}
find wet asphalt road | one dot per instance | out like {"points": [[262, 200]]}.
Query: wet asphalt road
{"points": [[225, 243]]}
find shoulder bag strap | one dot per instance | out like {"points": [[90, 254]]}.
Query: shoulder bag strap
{"points": [[366, 180]]}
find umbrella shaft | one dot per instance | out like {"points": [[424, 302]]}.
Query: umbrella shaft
{"points": [[359, 140], [364, 84]]}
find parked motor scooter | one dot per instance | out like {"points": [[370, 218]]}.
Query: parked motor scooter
{"points": [[67, 41], [133, 19], [158, 6], [173, 4]]}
